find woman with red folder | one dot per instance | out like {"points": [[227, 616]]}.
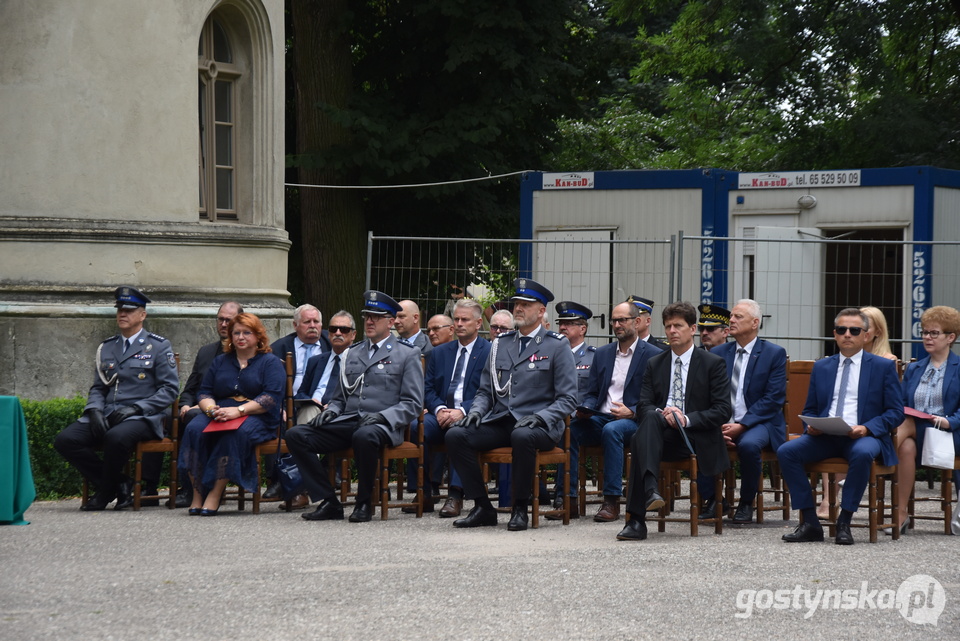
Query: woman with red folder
{"points": [[241, 400]]}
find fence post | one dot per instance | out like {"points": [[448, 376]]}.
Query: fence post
{"points": [[679, 265], [369, 257]]}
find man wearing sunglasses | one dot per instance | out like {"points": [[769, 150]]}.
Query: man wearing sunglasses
{"points": [[323, 370], [714, 326], [864, 390]]}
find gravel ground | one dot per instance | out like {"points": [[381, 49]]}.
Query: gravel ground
{"points": [[160, 574]]}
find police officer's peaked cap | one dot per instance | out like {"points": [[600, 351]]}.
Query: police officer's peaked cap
{"points": [[570, 311], [713, 316], [375, 302], [643, 304], [130, 297], [530, 290]]}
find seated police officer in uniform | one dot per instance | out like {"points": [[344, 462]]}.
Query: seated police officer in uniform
{"points": [[527, 388], [136, 381], [379, 391], [714, 325], [645, 305], [189, 409]]}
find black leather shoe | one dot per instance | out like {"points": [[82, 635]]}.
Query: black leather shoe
{"points": [[478, 517], [361, 513], [124, 495], [182, 500], [709, 510], [804, 533], [272, 492], [97, 503], [844, 537], [634, 530], [654, 502], [518, 520], [328, 510], [558, 501], [744, 514]]}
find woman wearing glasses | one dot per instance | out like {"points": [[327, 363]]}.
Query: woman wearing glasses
{"points": [[932, 386]]}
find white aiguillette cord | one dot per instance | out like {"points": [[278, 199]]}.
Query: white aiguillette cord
{"points": [[504, 390]]}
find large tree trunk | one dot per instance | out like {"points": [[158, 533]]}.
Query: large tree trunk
{"points": [[333, 228]]}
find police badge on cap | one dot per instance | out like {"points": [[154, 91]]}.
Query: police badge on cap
{"points": [[713, 316], [130, 297], [643, 304], [378, 303], [567, 310]]}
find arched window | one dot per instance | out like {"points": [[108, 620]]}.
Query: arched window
{"points": [[219, 72]]}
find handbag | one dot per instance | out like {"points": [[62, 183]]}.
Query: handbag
{"points": [[938, 450], [287, 473]]}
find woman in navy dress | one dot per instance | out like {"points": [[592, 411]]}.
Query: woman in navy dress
{"points": [[245, 381], [931, 385]]}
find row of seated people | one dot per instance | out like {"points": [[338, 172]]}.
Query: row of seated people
{"points": [[664, 404]]}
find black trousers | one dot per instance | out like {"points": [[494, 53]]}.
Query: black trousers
{"points": [[463, 443], [307, 444], [78, 446], [654, 441]]}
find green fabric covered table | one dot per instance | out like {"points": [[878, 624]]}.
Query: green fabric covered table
{"points": [[16, 480]]}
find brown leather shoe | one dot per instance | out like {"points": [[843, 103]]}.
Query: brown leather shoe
{"points": [[452, 507], [609, 511], [299, 502], [427, 506]]}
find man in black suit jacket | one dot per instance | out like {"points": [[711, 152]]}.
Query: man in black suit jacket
{"points": [[188, 397], [685, 396]]}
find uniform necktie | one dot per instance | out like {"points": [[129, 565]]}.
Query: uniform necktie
{"points": [[373, 350], [457, 376], [735, 381], [678, 385], [524, 341], [126, 345], [844, 380], [332, 381]]}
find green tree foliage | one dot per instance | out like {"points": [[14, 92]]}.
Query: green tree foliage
{"points": [[752, 85]]}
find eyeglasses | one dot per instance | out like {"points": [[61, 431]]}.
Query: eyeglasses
{"points": [[336, 329], [500, 328], [223, 321], [620, 321], [431, 330], [933, 333], [840, 330]]}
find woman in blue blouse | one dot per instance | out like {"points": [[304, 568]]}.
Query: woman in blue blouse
{"points": [[245, 381], [931, 385]]}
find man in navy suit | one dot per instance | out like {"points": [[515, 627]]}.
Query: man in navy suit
{"points": [[323, 370], [613, 393], [758, 380], [684, 401], [866, 394], [307, 340], [451, 382]]}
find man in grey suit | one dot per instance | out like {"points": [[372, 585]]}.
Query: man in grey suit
{"points": [[408, 327], [380, 390], [527, 389], [684, 401], [136, 381]]}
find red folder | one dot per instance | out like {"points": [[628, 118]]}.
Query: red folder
{"points": [[909, 411], [225, 426]]}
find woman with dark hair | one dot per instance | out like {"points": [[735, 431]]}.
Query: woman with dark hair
{"points": [[244, 385], [932, 386]]}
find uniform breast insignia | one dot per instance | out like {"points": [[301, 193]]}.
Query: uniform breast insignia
{"points": [[583, 367], [149, 345], [532, 365], [143, 357], [141, 376], [379, 365]]}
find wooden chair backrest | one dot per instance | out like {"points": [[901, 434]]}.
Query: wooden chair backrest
{"points": [[288, 398], [798, 383]]}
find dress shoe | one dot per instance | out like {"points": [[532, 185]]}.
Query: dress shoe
{"points": [[804, 533], [710, 508], [427, 506], [744, 514], [574, 510], [844, 537], [558, 501], [518, 520], [478, 517], [272, 492], [452, 507], [328, 510], [903, 528], [96, 503], [634, 530], [609, 511], [149, 490], [208, 512], [182, 500], [124, 495], [194, 511], [654, 502], [299, 502], [361, 513]]}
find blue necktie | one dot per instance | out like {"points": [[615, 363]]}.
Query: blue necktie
{"points": [[457, 376], [524, 341], [332, 381]]}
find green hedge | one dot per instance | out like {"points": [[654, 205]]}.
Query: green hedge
{"points": [[52, 476]]}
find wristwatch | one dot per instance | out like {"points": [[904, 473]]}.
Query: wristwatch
{"points": [[240, 408]]}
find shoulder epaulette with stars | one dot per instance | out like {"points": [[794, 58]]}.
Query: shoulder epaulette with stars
{"points": [[156, 336], [555, 335], [512, 332], [112, 338], [406, 343], [358, 343], [591, 348]]}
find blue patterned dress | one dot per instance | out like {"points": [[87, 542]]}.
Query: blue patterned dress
{"points": [[229, 455]]}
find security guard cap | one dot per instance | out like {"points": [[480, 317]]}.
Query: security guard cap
{"points": [[567, 310], [530, 290], [713, 316], [130, 297], [378, 303], [643, 304]]}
